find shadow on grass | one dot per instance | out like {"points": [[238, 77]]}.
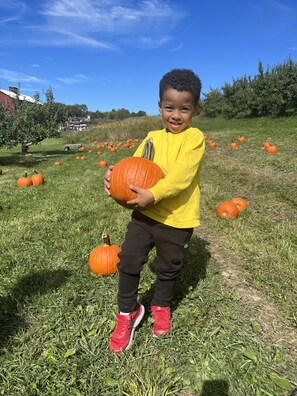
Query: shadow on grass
{"points": [[28, 286], [215, 388], [33, 159], [193, 270]]}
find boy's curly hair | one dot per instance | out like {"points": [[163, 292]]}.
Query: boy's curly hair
{"points": [[181, 80]]}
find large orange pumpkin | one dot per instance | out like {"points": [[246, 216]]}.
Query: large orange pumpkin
{"points": [[24, 181], [37, 179], [139, 171], [103, 259], [241, 203], [227, 209]]}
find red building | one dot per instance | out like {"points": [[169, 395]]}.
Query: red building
{"points": [[7, 97]]}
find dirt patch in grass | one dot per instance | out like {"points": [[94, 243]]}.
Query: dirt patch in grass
{"points": [[272, 327]]}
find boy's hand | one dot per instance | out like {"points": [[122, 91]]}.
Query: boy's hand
{"points": [[144, 199], [107, 179]]}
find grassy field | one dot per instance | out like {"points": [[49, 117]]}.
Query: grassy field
{"points": [[234, 312]]}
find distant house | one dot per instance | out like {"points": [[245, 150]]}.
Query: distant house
{"points": [[7, 97]]}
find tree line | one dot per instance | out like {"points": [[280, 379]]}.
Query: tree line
{"points": [[80, 111], [28, 123], [271, 92]]}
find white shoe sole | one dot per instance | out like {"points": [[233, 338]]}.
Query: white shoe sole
{"points": [[136, 323]]}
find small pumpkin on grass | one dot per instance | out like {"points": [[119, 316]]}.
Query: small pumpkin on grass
{"points": [[233, 145], [24, 181], [102, 164], [266, 144], [271, 149], [139, 171], [241, 138], [212, 143], [57, 163], [241, 203], [103, 259], [37, 179], [227, 210]]}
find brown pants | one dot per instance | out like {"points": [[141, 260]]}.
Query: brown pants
{"points": [[143, 234]]}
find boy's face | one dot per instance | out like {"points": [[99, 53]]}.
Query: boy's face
{"points": [[177, 110]]}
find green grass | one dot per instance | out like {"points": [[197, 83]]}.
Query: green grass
{"points": [[56, 318]]}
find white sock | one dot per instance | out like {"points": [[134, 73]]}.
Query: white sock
{"points": [[124, 313]]}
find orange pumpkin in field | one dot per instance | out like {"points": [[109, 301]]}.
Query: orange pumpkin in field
{"points": [[103, 259], [241, 203], [102, 163], [37, 179], [227, 209], [266, 144], [212, 143], [24, 181], [233, 145], [57, 163], [138, 171], [271, 149], [241, 138]]}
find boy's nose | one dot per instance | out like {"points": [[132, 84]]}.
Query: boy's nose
{"points": [[176, 114]]}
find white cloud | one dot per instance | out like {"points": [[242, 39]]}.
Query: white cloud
{"points": [[279, 6], [76, 78], [146, 42], [18, 77], [177, 48], [11, 11], [99, 24], [108, 16], [60, 37]]}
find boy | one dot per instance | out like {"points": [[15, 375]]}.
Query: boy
{"points": [[164, 215]]}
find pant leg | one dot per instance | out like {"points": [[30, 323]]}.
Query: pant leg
{"points": [[171, 247], [138, 242]]}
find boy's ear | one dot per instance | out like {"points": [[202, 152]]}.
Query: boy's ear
{"points": [[160, 106], [196, 109]]}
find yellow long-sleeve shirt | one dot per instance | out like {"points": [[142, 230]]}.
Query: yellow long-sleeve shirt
{"points": [[177, 196]]}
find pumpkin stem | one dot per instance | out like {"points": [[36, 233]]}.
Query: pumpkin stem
{"points": [[105, 239], [148, 149]]}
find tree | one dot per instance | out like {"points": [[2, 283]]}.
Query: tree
{"points": [[6, 117], [30, 123], [213, 103]]}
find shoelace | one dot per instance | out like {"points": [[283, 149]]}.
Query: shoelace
{"points": [[123, 326]]}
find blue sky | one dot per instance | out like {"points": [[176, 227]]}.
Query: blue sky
{"points": [[111, 54]]}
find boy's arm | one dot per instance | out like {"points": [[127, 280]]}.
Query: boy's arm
{"points": [[183, 171]]}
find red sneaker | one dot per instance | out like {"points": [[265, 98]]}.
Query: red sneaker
{"points": [[162, 322], [122, 335]]}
